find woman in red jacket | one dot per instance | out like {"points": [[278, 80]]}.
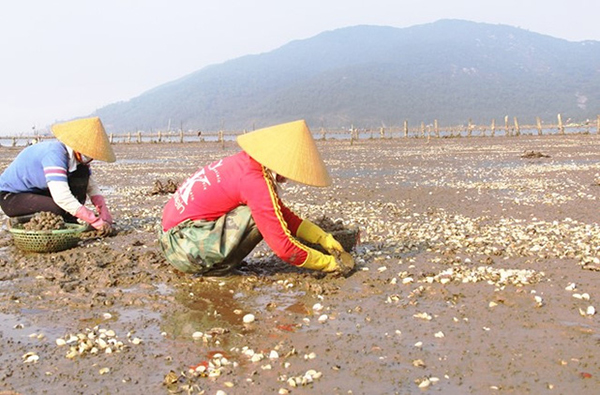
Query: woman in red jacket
{"points": [[219, 214]]}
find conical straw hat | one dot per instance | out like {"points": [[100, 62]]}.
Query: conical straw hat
{"points": [[86, 136], [289, 150]]}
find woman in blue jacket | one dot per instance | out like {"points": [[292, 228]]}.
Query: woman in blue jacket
{"points": [[55, 175]]}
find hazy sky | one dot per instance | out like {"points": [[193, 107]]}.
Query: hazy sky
{"points": [[61, 59]]}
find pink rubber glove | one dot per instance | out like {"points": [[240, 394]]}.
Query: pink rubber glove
{"points": [[88, 216], [100, 204]]}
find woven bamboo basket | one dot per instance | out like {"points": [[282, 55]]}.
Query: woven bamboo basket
{"points": [[45, 240]]}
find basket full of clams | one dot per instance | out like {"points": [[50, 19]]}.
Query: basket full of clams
{"points": [[44, 232]]}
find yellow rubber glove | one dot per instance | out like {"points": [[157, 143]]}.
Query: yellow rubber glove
{"points": [[314, 234], [345, 262], [316, 260]]}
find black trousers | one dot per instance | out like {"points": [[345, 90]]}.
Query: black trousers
{"points": [[26, 203]]}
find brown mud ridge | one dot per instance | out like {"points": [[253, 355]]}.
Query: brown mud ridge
{"points": [[477, 272]]}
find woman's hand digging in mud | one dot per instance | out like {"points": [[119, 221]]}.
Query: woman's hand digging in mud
{"points": [[345, 263]]}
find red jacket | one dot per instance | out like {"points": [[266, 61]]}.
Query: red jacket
{"points": [[218, 188]]}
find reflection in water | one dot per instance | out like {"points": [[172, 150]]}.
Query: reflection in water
{"points": [[204, 308], [207, 307]]}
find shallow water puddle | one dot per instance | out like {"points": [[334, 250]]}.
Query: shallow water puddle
{"points": [[212, 307], [20, 329]]}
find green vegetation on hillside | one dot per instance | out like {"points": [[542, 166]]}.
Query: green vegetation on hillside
{"points": [[367, 76]]}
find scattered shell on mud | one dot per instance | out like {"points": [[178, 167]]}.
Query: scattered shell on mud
{"points": [[413, 253], [588, 312], [273, 354], [302, 380], [425, 382], [249, 318], [94, 341], [220, 364], [212, 367], [583, 296], [30, 357], [477, 239], [423, 316]]}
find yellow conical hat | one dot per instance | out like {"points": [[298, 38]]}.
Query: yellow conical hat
{"points": [[86, 136], [289, 150]]}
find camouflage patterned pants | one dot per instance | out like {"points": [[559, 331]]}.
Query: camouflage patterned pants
{"points": [[203, 246]]}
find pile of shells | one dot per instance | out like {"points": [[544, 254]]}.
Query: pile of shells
{"points": [[213, 367], [220, 364], [329, 224], [497, 276], [45, 220], [301, 380], [186, 381], [252, 355], [389, 230], [210, 335], [94, 341]]}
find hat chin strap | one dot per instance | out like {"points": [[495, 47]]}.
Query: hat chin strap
{"points": [[278, 178], [81, 158]]}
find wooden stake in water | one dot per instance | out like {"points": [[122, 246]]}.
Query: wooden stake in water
{"points": [[561, 128]]}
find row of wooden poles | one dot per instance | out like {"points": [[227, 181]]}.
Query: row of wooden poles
{"points": [[511, 127], [515, 128]]}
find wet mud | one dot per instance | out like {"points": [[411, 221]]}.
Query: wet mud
{"points": [[477, 273]]}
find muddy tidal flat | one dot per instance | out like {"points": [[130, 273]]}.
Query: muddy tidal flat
{"points": [[478, 272]]}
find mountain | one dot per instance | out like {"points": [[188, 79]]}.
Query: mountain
{"points": [[450, 70]]}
